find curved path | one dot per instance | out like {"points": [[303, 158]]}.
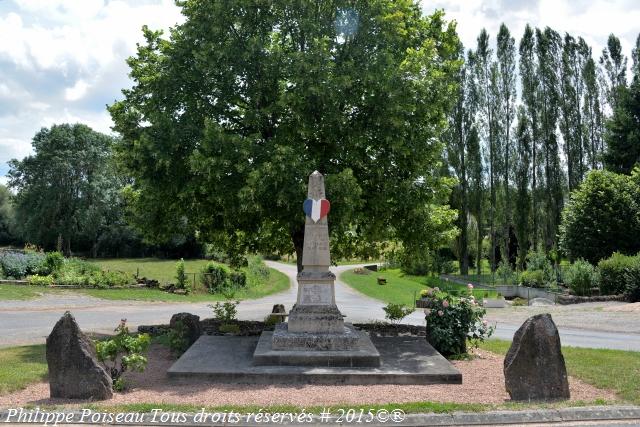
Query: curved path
{"points": [[27, 322]]}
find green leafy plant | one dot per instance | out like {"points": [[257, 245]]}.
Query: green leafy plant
{"points": [[453, 322], [53, 262], [214, 277], [505, 273], [612, 273], [632, 279], [37, 280], [177, 336], [581, 276], [396, 312], [519, 302], [532, 278], [238, 279], [182, 281], [225, 312], [601, 217], [123, 352]]}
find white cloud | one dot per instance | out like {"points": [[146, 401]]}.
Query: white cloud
{"points": [[63, 60], [77, 91]]}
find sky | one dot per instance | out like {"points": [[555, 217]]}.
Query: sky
{"points": [[63, 61]]}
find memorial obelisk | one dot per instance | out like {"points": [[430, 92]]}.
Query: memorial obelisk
{"points": [[316, 333]]}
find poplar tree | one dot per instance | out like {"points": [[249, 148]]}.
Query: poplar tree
{"points": [[613, 71], [548, 43], [522, 172], [530, 98], [506, 53]]}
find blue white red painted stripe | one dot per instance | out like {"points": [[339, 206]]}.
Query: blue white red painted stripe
{"points": [[316, 209]]}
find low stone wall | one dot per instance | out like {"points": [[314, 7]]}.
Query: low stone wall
{"points": [[255, 328], [574, 299], [510, 291]]}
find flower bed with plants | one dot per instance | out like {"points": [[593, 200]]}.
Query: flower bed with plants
{"points": [[53, 269]]}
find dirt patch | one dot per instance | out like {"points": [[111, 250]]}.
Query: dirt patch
{"points": [[626, 308], [483, 382]]}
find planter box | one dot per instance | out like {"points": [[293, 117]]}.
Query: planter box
{"points": [[493, 303]]}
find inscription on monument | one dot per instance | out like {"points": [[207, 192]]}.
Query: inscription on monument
{"points": [[316, 245], [315, 294]]}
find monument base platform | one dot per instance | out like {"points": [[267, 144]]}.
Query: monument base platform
{"points": [[228, 359], [283, 348], [348, 339]]}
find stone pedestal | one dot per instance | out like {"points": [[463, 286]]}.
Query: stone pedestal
{"points": [[316, 334]]}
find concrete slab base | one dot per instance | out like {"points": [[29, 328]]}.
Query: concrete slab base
{"points": [[228, 359], [362, 352]]}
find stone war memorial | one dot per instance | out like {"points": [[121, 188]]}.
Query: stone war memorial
{"points": [[316, 345]]}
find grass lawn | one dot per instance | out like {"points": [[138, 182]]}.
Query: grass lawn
{"points": [[163, 271], [611, 369], [19, 292], [21, 366], [401, 288]]}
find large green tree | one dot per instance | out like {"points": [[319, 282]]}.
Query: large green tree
{"points": [[623, 131], [66, 189], [229, 115], [602, 216]]}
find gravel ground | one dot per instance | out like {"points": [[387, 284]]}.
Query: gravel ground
{"points": [[483, 382], [596, 316]]}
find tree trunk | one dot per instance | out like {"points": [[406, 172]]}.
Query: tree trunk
{"points": [[297, 237]]}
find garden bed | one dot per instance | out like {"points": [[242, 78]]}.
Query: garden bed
{"points": [[482, 376]]}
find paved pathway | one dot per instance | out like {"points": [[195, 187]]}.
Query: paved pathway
{"points": [[26, 322]]}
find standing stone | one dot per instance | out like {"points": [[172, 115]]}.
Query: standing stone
{"points": [[534, 367], [190, 324], [74, 369]]}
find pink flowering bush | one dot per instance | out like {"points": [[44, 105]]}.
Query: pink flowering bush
{"points": [[453, 322]]}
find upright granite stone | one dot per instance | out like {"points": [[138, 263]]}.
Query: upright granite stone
{"points": [[316, 327], [534, 367], [190, 324], [74, 370]]}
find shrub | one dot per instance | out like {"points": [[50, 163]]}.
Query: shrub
{"points": [[72, 278], [225, 311], [581, 276], [123, 352], [532, 278], [19, 265], [453, 321], [109, 279], [37, 280], [518, 302], [632, 279], [182, 281], [538, 260], [602, 216], [504, 272], [178, 341], [214, 277], [396, 312], [238, 279], [258, 268], [612, 274], [53, 262]]}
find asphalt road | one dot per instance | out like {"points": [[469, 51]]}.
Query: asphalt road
{"points": [[29, 322]]}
